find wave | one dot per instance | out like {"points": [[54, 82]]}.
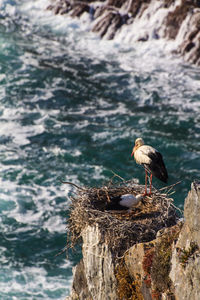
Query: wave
{"points": [[31, 283]]}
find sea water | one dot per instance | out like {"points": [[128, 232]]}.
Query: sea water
{"points": [[71, 106]]}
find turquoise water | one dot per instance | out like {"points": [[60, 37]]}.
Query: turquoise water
{"points": [[71, 107]]}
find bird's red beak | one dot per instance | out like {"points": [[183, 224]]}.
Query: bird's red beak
{"points": [[133, 151]]}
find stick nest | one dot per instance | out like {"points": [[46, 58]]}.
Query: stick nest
{"points": [[120, 229]]}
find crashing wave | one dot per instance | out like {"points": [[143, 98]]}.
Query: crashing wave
{"points": [[175, 21]]}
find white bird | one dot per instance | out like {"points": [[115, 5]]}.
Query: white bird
{"points": [[126, 201], [152, 161]]}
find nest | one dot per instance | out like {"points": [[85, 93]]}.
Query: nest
{"points": [[120, 229]]}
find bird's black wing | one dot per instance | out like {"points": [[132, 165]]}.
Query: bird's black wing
{"points": [[115, 205], [157, 166]]}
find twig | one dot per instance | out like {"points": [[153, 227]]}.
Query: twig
{"points": [[62, 251], [71, 183], [177, 208], [116, 175], [106, 191], [170, 186]]}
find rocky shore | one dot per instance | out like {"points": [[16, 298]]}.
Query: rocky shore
{"points": [[175, 21], [147, 254]]}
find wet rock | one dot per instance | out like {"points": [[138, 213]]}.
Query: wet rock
{"points": [[169, 20], [50, 7], [109, 24], [138, 7], [116, 23], [144, 38], [175, 18], [57, 9], [79, 9], [115, 3], [190, 46], [103, 23], [98, 11]]}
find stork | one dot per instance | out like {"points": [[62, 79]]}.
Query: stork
{"points": [[124, 202], [151, 160]]}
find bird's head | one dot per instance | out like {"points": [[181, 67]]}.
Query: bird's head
{"points": [[138, 142]]}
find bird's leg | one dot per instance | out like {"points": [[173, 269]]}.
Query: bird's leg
{"points": [[146, 176], [150, 185]]}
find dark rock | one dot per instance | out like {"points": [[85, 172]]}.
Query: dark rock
{"points": [[193, 34], [138, 7], [78, 10], [189, 46], [103, 23], [64, 11], [176, 18], [116, 22], [99, 11], [143, 39], [57, 9], [168, 3], [115, 3], [50, 7]]}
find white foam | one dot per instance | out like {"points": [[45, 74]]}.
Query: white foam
{"points": [[34, 8], [42, 201], [38, 14], [56, 150], [33, 282], [55, 224], [11, 127]]}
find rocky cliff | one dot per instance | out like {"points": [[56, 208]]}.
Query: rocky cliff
{"points": [[175, 21], [159, 258], [185, 260]]}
